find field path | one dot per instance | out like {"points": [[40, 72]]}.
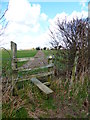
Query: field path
{"points": [[39, 61]]}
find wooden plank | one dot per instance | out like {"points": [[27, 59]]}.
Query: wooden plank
{"points": [[41, 86], [36, 75], [48, 66], [25, 59]]}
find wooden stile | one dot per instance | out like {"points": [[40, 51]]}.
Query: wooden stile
{"points": [[15, 70]]}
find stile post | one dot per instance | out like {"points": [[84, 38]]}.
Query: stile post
{"points": [[14, 55], [49, 69], [13, 63]]}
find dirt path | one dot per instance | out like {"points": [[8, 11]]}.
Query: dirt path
{"points": [[39, 61]]}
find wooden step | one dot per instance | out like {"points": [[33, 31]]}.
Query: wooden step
{"points": [[41, 86]]}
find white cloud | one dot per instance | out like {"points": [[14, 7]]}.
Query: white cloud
{"points": [[75, 14], [21, 11], [62, 16], [83, 4], [44, 16], [24, 23], [28, 41], [53, 21]]}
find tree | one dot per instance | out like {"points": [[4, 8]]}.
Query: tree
{"points": [[37, 48], [44, 48], [71, 37], [3, 23]]}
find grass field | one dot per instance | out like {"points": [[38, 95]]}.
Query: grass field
{"points": [[6, 55], [20, 53], [24, 53]]}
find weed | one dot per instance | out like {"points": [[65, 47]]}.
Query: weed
{"points": [[21, 113]]}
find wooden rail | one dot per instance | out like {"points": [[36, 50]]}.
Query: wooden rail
{"points": [[35, 75], [29, 69], [30, 76], [25, 59]]}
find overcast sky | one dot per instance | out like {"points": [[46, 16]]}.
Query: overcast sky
{"points": [[29, 22]]}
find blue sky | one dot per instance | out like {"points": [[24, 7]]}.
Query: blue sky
{"points": [[29, 21], [52, 8]]}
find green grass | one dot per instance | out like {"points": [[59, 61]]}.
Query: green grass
{"points": [[48, 52], [36, 100], [20, 53], [21, 113], [26, 53], [6, 55], [19, 64], [6, 110], [48, 104]]}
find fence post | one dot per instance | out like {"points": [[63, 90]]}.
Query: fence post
{"points": [[49, 69], [74, 69], [13, 63], [14, 55]]}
